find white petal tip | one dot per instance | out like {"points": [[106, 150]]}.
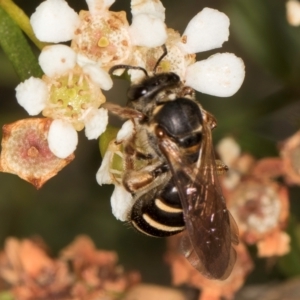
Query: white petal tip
{"points": [[98, 76], [95, 123], [54, 21], [121, 203], [57, 59], [220, 75], [62, 138], [125, 132], [103, 175], [32, 95], [148, 31], [209, 29]]}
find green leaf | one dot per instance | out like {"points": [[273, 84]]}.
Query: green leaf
{"points": [[261, 28], [106, 138], [290, 263], [21, 19], [17, 49], [6, 296]]}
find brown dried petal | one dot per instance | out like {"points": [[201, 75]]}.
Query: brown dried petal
{"points": [[183, 272], [83, 252], [276, 243], [270, 167], [259, 207], [290, 153], [25, 151]]}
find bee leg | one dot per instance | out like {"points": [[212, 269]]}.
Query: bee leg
{"points": [[124, 112], [136, 180], [163, 168]]}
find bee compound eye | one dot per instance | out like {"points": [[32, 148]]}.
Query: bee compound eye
{"points": [[135, 92]]}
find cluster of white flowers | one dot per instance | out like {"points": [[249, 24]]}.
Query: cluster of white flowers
{"points": [[70, 91]]}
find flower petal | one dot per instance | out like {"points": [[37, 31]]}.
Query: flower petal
{"points": [[57, 59], [54, 21], [209, 29], [103, 175], [95, 123], [26, 153], [220, 75], [62, 138], [293, 12], [152, 7], [96, 6], [125, 132], [32, 95], [148, 31], [99, 76], [229, 150], [121, 203]]}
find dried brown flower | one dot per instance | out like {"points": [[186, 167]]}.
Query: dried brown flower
{"points": [[259, 207], [184, 273], [31, 273], [25, 151], [258, 203], [93, 275], [290, 154]]}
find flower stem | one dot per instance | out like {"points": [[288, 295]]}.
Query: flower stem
{"points": [[18, 15], [17, 49]]}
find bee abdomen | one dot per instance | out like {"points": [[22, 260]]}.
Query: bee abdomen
{"points": [[160, 215]]}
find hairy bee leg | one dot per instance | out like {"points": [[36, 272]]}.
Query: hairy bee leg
{"points": [[135, 180]]}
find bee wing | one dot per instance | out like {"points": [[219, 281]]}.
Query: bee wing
{"points": [[210, 229]]}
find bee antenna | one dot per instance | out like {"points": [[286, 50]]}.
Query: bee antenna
{"points": [[165, 52], [126, 67]]}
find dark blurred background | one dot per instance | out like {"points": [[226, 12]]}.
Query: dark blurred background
{"points": [[264, 111]]}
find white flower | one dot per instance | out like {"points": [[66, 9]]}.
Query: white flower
{"points": [[219, 75], [126, 131], [62, 138], [229, 150], [111, 172], [148, 28], [95, 123], [33, 103], [209, 29], [293, 12], [67, 93], [121, 203], [101, 35], [54, 21]]}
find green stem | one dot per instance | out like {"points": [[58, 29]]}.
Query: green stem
{"points": [[20, 18], [17, 49]]}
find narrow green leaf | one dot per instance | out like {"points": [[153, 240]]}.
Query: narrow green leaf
{"points": [[261, 30], [18, 15], [17, 49]]}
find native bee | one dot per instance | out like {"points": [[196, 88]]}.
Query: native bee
{"points": [[172, 173]]}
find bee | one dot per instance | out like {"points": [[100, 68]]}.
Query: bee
{"points": [[172, 173]]}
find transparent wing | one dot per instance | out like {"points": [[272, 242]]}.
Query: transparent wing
{"points": [[210, 229]]}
